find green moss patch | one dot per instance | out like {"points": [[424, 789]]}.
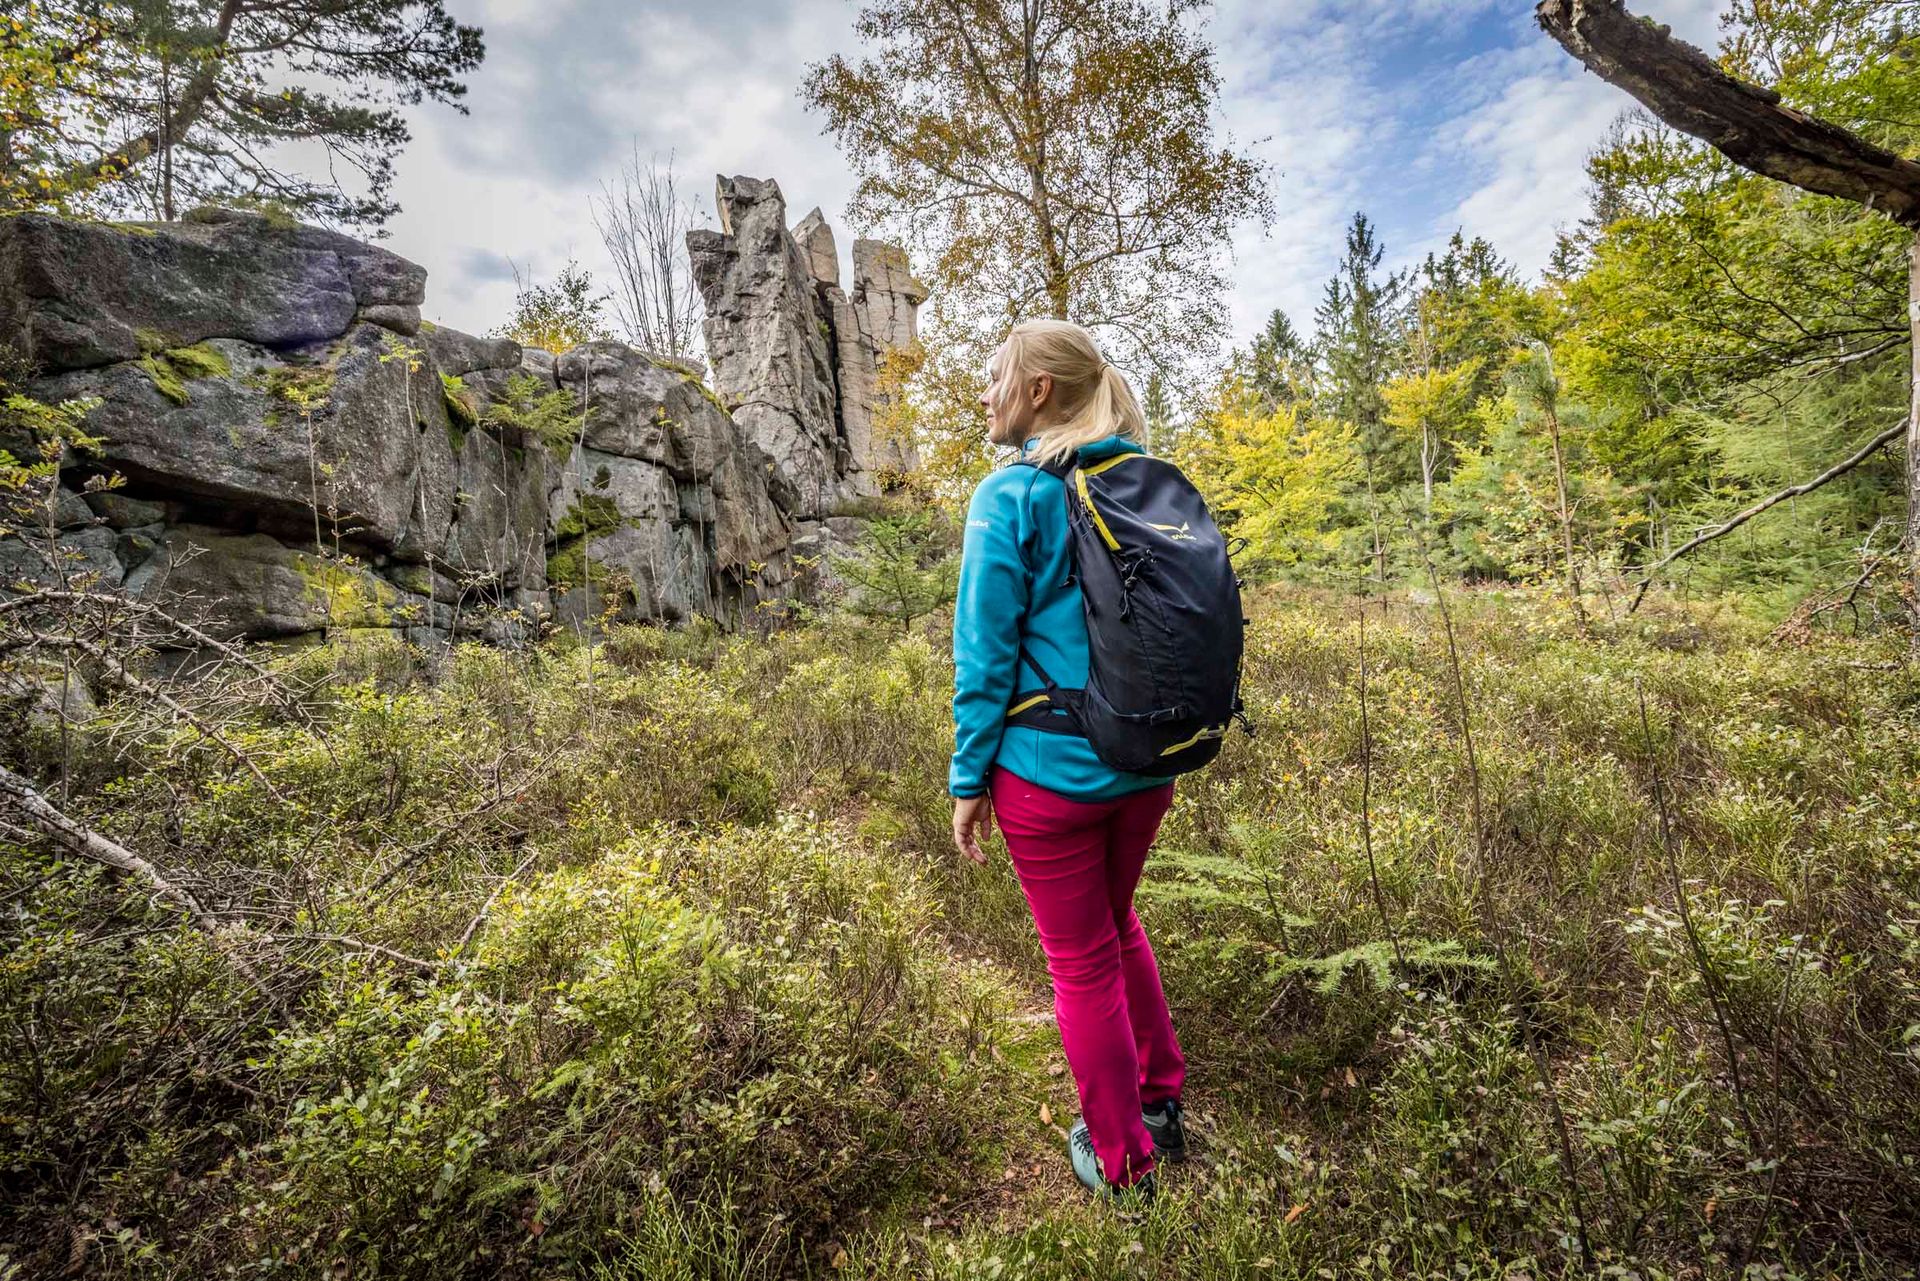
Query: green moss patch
{"points": [[590, 514], [570, 566], [201, 360], [171, 370], [348, 597], [591, 517], [304, 387], [692, 376], [463, 414]]}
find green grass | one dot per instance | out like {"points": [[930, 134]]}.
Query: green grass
{"points": [[734, 1009]]}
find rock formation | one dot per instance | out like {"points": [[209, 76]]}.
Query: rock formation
{"points": [[796, 357], [663, 489], [302, 453]]}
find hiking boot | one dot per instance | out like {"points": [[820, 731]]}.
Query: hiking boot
{"points": [[1163, 1122], [1087, 1169]]}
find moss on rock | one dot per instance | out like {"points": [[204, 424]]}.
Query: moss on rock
{"points": [[589, 515], [349, 597], [463, 415], [172, 369], [692, 376], [304, 387]]}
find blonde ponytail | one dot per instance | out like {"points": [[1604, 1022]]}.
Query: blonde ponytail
{"points": [[1095, 400]]}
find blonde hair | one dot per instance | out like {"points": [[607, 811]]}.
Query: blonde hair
{"points": [[1094, 398]]}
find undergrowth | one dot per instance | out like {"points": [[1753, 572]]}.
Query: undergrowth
{"points": [[650, 959]]}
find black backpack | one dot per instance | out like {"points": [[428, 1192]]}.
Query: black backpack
{"points": [[1164, 626]]}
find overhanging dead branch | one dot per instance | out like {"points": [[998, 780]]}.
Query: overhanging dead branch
{"points": [[1746, 122], [77, 838]]}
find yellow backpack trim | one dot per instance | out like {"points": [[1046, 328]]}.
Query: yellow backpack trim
{"points": [[1080, 483], [1114, 461], [1018, 708], [1210, 732]]}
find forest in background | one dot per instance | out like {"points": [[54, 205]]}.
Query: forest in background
{"points": [[1703, 338]]}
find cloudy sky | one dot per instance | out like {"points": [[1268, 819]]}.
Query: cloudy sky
{"points": [[1429, 115]]}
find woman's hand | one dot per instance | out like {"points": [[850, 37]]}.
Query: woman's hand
{"points": [[970, 812]]}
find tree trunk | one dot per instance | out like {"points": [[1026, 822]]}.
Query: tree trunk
{"points": [[1746, 122], [1566, 520], [183, 113], [1429, 454], [1913, 438], [166, 139]]}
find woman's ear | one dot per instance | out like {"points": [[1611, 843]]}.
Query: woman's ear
{"points": [[1040, 391]]}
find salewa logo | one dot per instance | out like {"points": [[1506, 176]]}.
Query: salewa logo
{"points": [[1178, 533]]}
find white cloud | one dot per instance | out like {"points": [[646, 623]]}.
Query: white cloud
{"points": [[566, 92], [1356, 105], [1529, 143], [1294, 93]]}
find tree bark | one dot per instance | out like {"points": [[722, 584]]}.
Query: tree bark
{"points": [[1746, 122]]}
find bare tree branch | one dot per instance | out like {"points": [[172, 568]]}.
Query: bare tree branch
{"points": [[118, 601], [116, 671], [1865, 452], [473, 926], [76, 838], [362, 945]]}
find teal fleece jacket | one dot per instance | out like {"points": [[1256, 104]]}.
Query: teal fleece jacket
{"points": [[1014, 565]]}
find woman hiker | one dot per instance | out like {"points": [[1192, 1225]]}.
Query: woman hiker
{"points": [[1078, 830]]}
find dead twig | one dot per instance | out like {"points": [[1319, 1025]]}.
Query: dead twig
{"points": [[1709, 975], [459, 823], [116, 671], [1366, 802], [76, 838], [1866, 451], [362, 945], [466, 935], [199, 637]]}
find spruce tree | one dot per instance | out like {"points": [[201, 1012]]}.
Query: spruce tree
{"points": [[1359, 333], [1278, 364]]}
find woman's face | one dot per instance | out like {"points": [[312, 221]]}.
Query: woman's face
{"points": [[1013, 403]]}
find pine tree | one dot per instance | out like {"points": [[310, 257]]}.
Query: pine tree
{"points": [[154, 106], [904, 569], [1359, 333], [1278, 366], [1158, 407]]}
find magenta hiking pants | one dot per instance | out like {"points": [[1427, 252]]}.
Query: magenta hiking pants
{"points": [[1078, 862]]}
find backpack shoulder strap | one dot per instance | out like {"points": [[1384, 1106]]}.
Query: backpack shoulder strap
{"points": [[1056, 467]]}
